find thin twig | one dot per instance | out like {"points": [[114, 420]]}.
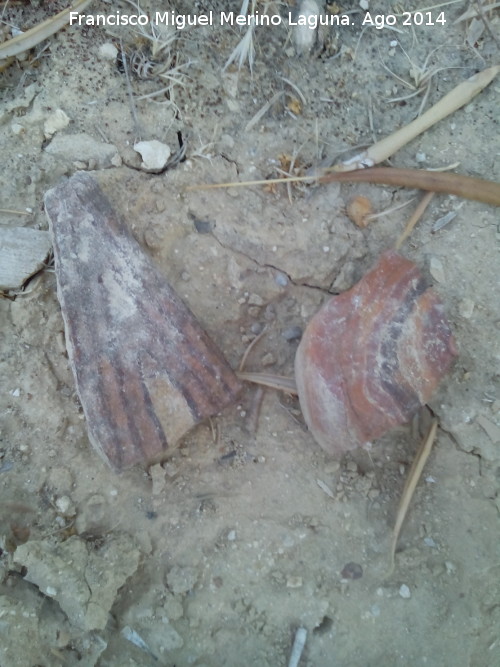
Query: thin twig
{"points": [[27, 40], [249, 349], [419, 211], [14, 211], [457, 98], [409, 489], [467, 187], [133, 110], [279, 382]]}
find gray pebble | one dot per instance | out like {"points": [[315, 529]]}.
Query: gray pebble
{"points": [[255, 300], [292, 333], [256, 328], [281, 280], [268, 360]]}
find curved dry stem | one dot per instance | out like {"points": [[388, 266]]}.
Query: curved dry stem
{"points": [[468, 187], [27, 40], [409, 489]]}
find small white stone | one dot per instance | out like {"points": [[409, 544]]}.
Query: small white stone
{"points": [[154, 154], [51, 591], [405, 592], [63, 503], [466, 308], [57, 120], [17, 128], [437, 270], [304, 36], [451, 568], [231, 536], [108, 51]]}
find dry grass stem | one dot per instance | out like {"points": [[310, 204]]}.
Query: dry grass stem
{"points": [[14, 211], [32, 37], [409, 489], [250, 347], [457, 98], [244, 50], [467, 187], [388, 211], [473, 12], [419, 211], [279, 382]]}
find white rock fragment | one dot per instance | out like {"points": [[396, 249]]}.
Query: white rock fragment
{"points": [[154, 154], [23, 252], [325, 488], [404, 592], [65, 506], [437, 270], [466, 308], [364, 4], [135, 638], [108, 51], [57, 120], [305, 26], [17, 129]]}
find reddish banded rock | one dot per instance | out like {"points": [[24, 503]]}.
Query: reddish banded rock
{"points": [[372, 356]]}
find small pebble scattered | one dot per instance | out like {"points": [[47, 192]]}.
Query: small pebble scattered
{"points": [[352, 571], [405, 592], [292, 333]]}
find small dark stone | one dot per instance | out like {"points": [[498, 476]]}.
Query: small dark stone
{"points": [[202, 226], [352, 571]]}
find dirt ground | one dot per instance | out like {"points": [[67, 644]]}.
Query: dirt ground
{"points": [[243, 534]]}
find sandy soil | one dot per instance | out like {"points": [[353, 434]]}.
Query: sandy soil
{"points": [[243, 534]]}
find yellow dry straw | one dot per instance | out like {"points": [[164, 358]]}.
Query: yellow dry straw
{"points": [[455, 99], [30, 38]]}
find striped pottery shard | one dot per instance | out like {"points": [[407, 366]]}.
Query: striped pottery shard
{"points": [[145, 370]]}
